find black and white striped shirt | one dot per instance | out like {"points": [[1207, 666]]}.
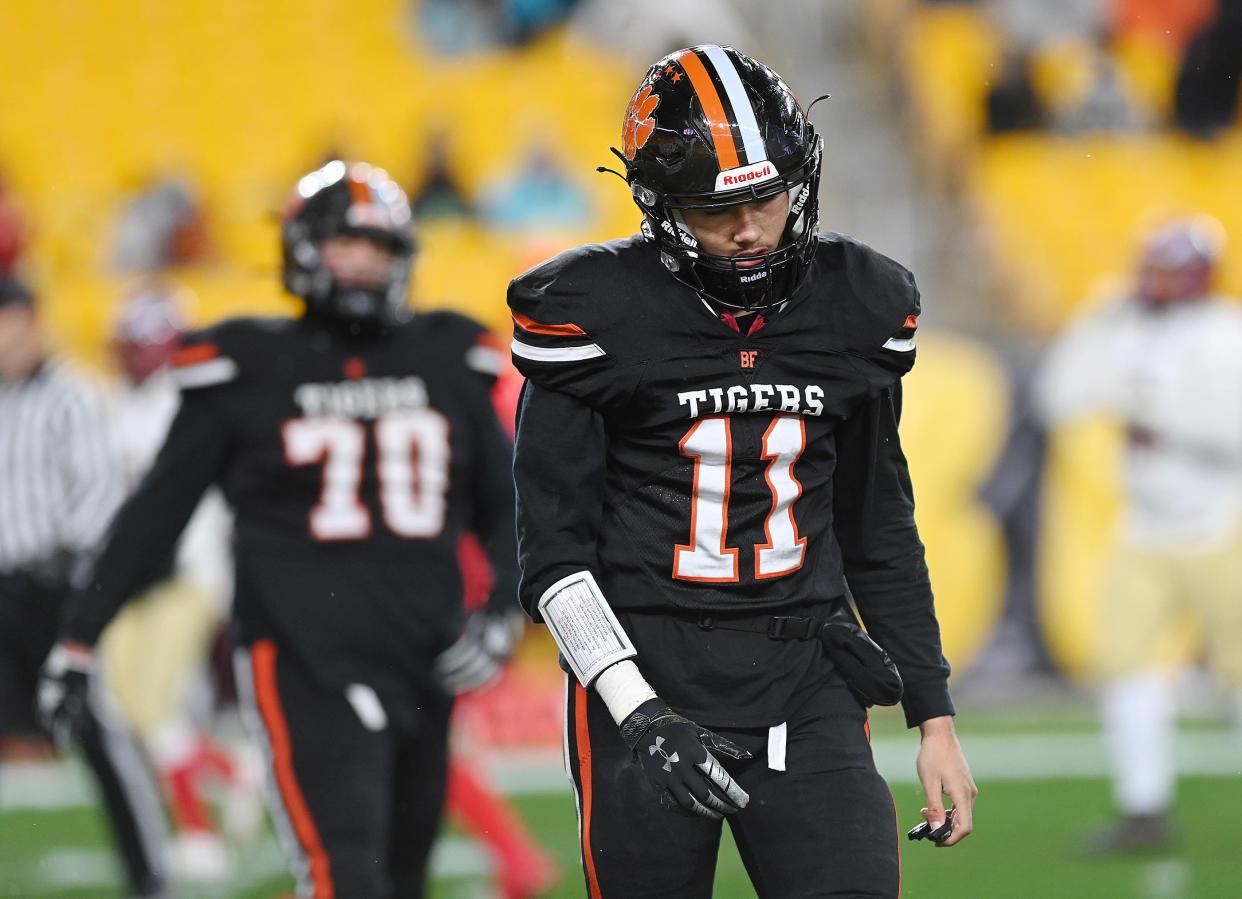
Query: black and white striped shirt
{"points": [[61, 478]]}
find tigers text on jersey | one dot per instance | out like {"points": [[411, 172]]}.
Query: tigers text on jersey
{"points": [[720, 486], [352, 464]]}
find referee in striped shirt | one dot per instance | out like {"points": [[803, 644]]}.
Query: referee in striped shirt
{"points": [[60, 482]]}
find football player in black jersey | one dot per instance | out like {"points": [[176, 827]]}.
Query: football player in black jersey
{"points": [[355, 443], [707, 466]]}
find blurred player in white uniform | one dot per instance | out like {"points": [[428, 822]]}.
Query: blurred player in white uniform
{"points": [[1167, 364], [154, 652]]}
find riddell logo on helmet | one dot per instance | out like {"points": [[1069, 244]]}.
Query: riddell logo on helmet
{"points": [[747, 174]]}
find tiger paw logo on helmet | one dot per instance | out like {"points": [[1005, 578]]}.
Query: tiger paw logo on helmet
{"points": [[639, 122]]}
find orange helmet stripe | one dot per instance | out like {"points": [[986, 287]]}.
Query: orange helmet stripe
{"points": [[709, 99]]}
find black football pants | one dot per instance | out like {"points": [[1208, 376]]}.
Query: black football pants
{"points": [[825, 826], [358, 804]]}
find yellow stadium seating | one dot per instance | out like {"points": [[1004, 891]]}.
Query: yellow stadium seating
{"points": [[1062, 213], [241, 98]]}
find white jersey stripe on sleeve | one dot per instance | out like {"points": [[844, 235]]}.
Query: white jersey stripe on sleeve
{"points": [[484, 359], [901, 346], [557, 354], [220, 370]]}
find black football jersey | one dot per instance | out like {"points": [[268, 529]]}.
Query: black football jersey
{"points": [[352, 464], [720, 488], [720, 455]]}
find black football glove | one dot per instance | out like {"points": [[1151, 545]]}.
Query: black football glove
{"points": [[64, 683], [485, 644], [677, 756]]}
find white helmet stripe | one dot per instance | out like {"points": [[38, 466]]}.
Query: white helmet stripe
{"points": [[743, 112]]}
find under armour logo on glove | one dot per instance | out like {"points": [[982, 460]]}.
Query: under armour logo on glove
{"points": [[658, 746], [679, 760]]}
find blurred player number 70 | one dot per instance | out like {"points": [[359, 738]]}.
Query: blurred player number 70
{"points": [[412, 466]]}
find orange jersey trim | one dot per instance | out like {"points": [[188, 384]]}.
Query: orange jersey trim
{"points": [[709, 99], [530, 325], [583, 735], [263, 665], [192, 355]]}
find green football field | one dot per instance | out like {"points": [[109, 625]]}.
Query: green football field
{"points": [[1029, 821]]}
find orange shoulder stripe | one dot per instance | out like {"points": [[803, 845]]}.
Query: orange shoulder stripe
{"points": [[194, 354], [530, 325]]}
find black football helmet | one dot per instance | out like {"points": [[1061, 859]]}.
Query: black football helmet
{"points": [[348, 198], [709, 127]]}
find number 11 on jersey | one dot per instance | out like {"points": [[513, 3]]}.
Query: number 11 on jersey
{"points": [[707, 557]]}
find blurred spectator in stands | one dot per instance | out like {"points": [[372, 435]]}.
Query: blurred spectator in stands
{"points": [[439, 195], [1164, 363], [525, 20], [1012, 104], [641, 28], [539, 194], [457, 27], [160, 226], [1107, 103], [14, 234], [1206, 101], [1030, 24], [1171, 23]]}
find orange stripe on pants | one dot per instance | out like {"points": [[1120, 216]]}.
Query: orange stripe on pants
{"points": [[263, 665], [584, 776]]}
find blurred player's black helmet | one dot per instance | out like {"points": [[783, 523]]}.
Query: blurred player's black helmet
{"points": [[709, 127], [348, 198]]}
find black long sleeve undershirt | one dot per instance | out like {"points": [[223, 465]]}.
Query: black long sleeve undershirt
{"points": [[493, 513], [873, 503], [144, 533], [559, 471]]}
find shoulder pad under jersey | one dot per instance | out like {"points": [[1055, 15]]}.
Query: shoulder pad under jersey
{"points": [[479, 348], [565, 317], [878, 312], [217, 355]]}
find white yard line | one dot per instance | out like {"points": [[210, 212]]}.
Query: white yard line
{"points": [[993, 757]]}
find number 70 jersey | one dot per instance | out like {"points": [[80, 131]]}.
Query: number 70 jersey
{"points": [[724, 437], [376, 443]]}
